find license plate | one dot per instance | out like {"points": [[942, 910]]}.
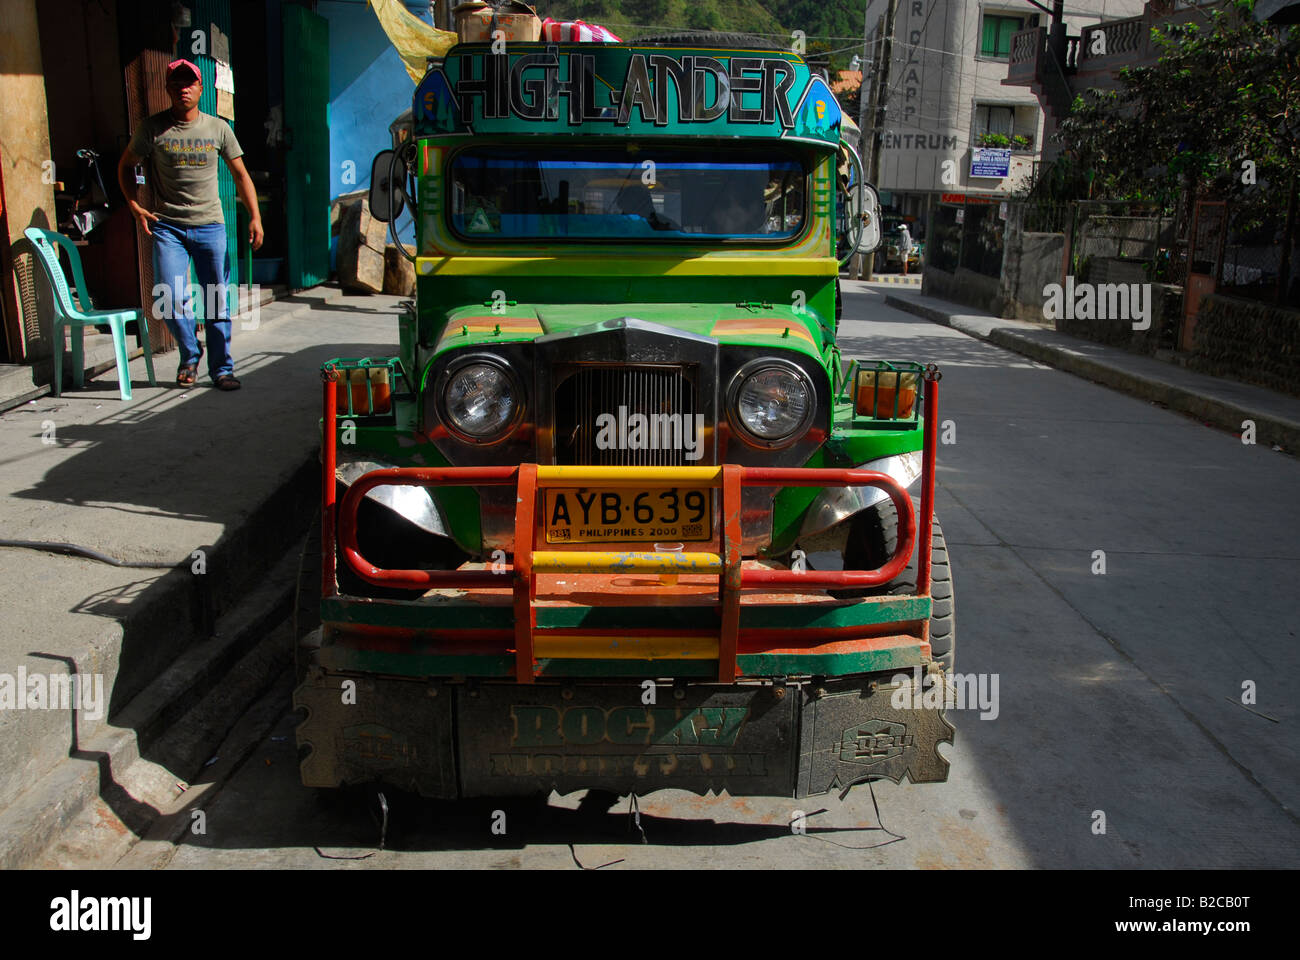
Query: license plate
{"points": [[665, 514]]}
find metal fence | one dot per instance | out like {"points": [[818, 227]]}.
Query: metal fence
{"points": [[1251, 259], [1242, 244], [1111, 240]]}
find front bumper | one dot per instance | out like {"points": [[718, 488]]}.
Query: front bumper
{"points": [[571, 612]]}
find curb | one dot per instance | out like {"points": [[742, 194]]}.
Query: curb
{"points": [[911, 280], [1224, 414], [97, 767], [229, 616]]}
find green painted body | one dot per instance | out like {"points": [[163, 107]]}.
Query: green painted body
{"points": [[481, 294]]}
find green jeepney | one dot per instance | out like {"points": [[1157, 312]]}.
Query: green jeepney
{"points": [[619, 515]]}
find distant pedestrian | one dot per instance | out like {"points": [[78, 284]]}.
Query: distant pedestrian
{"points": [[187, 223]]}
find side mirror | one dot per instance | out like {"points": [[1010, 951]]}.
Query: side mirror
{"points": [[869, 218], [860, 228], [386, 173]]}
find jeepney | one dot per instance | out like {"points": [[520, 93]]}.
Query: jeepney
{"points": [[619, 515]]}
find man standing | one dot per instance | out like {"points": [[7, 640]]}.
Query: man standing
{"points": [[182, 145], [904, 244]]}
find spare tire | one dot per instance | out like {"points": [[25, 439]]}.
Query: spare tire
{"points": [[706, 38]]}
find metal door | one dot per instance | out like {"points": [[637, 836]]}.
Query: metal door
{"points": [[307, 199]]}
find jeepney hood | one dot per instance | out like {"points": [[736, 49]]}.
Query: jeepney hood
{"points": [[775, 326]]}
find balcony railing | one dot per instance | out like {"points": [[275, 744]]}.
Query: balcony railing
{"points": [[1027, 47], [1119, 38]]}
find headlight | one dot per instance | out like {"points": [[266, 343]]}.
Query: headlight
{"points": [[480, 400], [773, 403]]}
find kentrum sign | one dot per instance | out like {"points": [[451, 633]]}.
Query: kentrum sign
{"points": [[540, 88]]}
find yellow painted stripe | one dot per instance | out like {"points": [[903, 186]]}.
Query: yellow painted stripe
{"points": [[624, 648], [706, 266], [760, 328], [609, 561], [628, 476]]}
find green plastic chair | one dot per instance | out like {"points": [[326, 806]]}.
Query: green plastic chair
{"points": [[81, 314]]}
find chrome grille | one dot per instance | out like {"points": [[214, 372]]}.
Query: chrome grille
{"points": [[592, 390]]}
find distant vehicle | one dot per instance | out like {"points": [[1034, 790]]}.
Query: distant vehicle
{"points": [[892, 250]]}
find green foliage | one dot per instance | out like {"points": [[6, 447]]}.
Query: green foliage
{"points": [[704, 15], [994, 140], [1216, 97]]}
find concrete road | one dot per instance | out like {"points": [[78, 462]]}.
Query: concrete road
{"points": [[1121, 738]]}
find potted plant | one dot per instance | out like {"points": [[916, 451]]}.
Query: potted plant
{"points": [[1022, 141], [993, 140]]}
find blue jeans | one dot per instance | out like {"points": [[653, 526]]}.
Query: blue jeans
{"points": [[173, 248]]}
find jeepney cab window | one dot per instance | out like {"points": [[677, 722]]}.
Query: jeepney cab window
{"points": [[688, 194]]}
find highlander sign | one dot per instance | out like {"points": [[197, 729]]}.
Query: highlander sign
{"points": [[552, 88]]}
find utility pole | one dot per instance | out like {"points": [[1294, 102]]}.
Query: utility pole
{"points": [[1056, 36], [866, 111], [866, 100], [880, 105], [882, 93]]}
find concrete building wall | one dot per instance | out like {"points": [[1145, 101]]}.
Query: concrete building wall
{"points": [[369, 89], [938, 77]]}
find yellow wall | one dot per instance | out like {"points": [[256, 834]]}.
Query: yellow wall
{"points": [[24, 149]]}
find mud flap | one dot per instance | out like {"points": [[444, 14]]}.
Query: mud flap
{"points": [[395, 731], [858, 731]]}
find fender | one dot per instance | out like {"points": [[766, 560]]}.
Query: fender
{"points": [[835, 504], [413, 504]]}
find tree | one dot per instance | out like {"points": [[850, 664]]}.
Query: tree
{"points": [[1218, 97]]}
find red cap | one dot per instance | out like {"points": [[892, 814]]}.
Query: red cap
{"points": [[177, 65]]}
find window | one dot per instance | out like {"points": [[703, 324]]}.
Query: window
{"points": [[500, 193], [994, 119], [1004, 125], [997, 32]]}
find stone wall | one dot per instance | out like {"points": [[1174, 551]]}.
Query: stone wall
{"points": [[1248, 341], [1027, 267], [1166, 316], [963, 286]]}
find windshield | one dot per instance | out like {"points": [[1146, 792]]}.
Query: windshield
{"points": [[574, 193]]}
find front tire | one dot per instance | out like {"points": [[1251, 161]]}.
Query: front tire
{"points": [[873, 535]]}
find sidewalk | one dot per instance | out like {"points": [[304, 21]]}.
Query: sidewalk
{"points": [[1213, 400], [896, 279], [179, 470]]}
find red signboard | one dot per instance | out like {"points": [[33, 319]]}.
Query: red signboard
{"points": [[965, 198]]}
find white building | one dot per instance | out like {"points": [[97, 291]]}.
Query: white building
{"points": [[945, 90]]}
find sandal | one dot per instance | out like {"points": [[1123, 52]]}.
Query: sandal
{"points": [[226, 382], [185, 375]]}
